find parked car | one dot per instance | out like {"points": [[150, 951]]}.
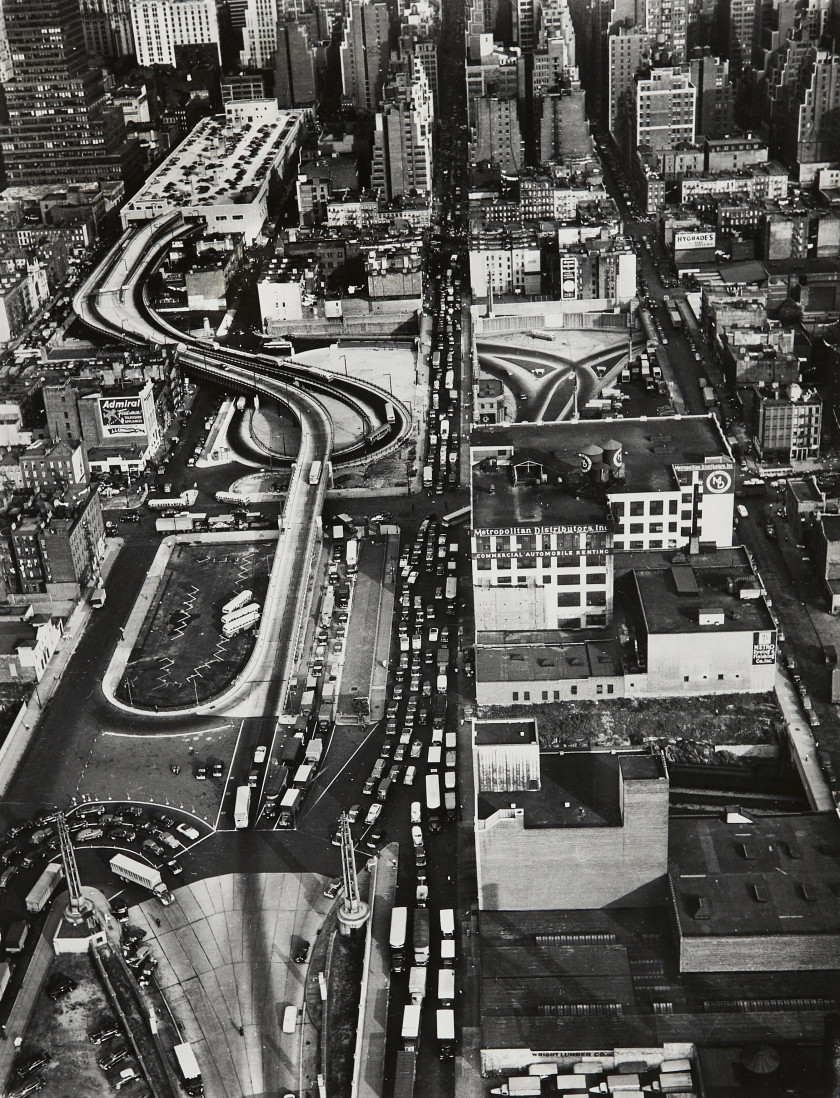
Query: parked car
{"points": [[106, 1033], [187, 831], [30, 1062], [302, 952], [60, 984]]}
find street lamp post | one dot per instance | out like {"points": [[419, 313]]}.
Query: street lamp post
{"points": [[390, 386], [344, 360]]}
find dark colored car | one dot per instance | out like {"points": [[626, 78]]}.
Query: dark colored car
{"points": [[60, 984], [302, 952], [106, 1033], [30, 1062]]}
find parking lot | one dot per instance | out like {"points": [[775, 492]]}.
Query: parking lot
{"points": [[180, 656]]}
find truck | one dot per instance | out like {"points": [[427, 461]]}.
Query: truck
{"points": [[446, 1033], [441, 682], [167, 503], [399, 922], [327, 607], [97, 599], [520, 1086], [178, 524], [41, 892], [188, 1069], [314, 751], [315, 472], [433, 801], [446, 986], [276, 783], [352, 555], [411, 1028], [450, 804], [15, 937], [292, 753], [708, 396], [342, 596], [447, 922], [324, 722], [421, 936], [242, 807], [404, 1071], [439, 711], [289, 806], [130, 869], [417, 983], [428, 476], [303, 776]]}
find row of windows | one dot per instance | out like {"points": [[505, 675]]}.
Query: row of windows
{"points": [[526, 694], [504, 564]]}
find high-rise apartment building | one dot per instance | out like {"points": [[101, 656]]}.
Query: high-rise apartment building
{"points": [[715, 95], [739, 32], [563, 129], [107, 28], [497, 136], [161, 25], [628, 51], [294, 65], [60, 127], [364, 53], [665, 107], [402, 153]]}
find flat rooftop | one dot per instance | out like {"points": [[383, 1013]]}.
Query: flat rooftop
{"points": [[651, 447], [674, 589], [577, 789], [540, 662], [488, 733], [220, 162], [779, 875]]}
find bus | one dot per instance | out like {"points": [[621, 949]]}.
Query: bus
{"points": [[237, 602], [390, 416], [399, 922], [455, 517], [674, 317], [433, 801], [315, 472], [242, 806], [651, 333]]}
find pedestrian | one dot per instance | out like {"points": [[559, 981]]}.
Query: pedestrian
{"points": [[241, 1031], [158, 922]]}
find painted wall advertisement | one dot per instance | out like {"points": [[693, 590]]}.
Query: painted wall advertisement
{"points": [[764, 647], [121, 416]]}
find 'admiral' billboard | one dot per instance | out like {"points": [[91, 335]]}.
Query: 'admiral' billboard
{"points": [[121, 416]]}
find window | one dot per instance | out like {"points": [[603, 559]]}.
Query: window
{"points": [[526, 695], [720, 678], [596, 598], [482, 564], [637, 507], [610, 688], [599, 688], [574, 690], [515, 696], [545, 695], [557, 695], [685, 678], [568, 598], [656, 507], [637, 527], [572, 580]]}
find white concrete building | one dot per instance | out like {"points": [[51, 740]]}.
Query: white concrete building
{"points": [[223, 170], [507, 261], [161, 25]]}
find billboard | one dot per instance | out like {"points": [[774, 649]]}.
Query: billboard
{"points": [[685, 239], [121, 416]]}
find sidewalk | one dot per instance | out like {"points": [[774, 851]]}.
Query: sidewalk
{"points": [[44, 690], [376, 982], [803, 748]]}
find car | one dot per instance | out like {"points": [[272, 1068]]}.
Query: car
{"points": [[394, 773], [353, 812], [217, 770], [163, 821], [375, 839], [444, 635], [28, 1088], [409, 776], [175, 868], [119, 909], [434, 633], [405, 736], [106, 1033], [368, 787], [399, 754], [187, 831], [302, 952], [416, 748], [153, 848], [259, 755], [113, 1058], [130, 810], [123, 834], [29, 1063], [169, 840], [373, 814], [59, 984], [333, 888], [397, 692], [201, 773], [127, 1075]]}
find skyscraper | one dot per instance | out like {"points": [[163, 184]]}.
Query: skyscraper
{"points": [[402, 154], [364, 53], [665, 104], [161, 25], [294, 66], [107, 28], [60, 127], [715, 98]]}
